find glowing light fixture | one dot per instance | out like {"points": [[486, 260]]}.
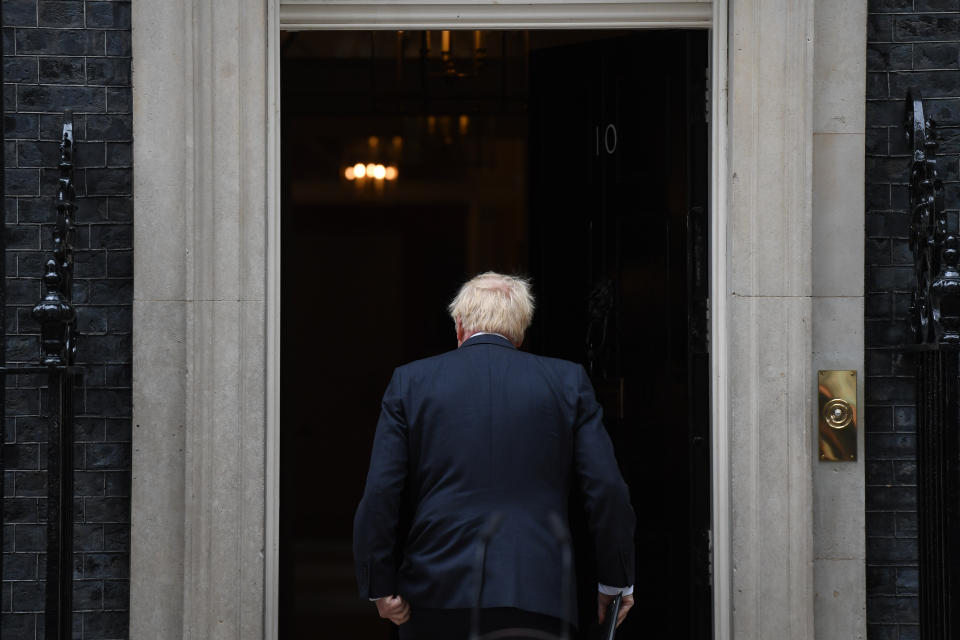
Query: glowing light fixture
{"points": [[375, 172]]}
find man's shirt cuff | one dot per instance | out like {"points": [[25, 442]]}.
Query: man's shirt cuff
{"points": [[612, 591]]}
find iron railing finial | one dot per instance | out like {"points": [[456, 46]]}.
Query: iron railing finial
{"points": [[55, 313]]}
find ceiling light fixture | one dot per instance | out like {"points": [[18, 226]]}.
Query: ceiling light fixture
{"points": [[375, 172]]}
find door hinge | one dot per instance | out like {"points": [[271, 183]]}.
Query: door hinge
{"points": [[706, 323], [710, 557], [706, 95]]}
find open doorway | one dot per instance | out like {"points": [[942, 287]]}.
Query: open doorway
{"points": [[412, 160]]}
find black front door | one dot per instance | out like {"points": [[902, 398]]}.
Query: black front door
{"points": [[618, 186]]}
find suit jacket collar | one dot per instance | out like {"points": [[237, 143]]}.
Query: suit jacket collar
{"points": [[488, 338]]}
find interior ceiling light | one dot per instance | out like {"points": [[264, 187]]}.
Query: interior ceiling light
{"points": [[375, 172]]}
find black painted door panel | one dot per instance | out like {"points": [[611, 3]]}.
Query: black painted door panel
{"points": [[617, 225]]}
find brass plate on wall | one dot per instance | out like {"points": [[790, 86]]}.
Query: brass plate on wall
{"points": [[837, 415]]}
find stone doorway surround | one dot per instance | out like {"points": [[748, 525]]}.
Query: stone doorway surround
{"points": [[206, 292]]}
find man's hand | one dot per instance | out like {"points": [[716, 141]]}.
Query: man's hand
{"points": [[396, 609], [603, 601]]}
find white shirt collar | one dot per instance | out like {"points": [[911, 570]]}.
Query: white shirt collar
{"points": [[489, 333]]}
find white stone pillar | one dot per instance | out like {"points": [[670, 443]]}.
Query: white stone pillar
{"points": [[199, 317], [768, 302], [838, 247]]}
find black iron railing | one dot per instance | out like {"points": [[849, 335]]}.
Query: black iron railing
{"points": [[935, 328], [935, 303], [3, 311], [57, 318]]}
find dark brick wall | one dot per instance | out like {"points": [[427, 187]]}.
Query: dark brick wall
{"points": [[59, 54], [910, 43]]}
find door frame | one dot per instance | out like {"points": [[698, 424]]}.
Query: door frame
{"points": [[204, 560], [555, 14], [204, 494]]}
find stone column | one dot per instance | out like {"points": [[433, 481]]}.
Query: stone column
{"points": [[769, 301], [199, 317], [838, 258]]}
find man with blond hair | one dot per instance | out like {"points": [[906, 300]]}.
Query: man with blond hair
{"points": [[484, 429]]}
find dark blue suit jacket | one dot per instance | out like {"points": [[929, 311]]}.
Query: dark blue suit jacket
{"points": [[482, 429]]}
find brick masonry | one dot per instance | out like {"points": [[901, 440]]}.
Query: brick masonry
{"points": [[76, 53], [910, 43], [59, 54]]}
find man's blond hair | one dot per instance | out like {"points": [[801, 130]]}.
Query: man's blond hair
{"points": [[494, 303]]}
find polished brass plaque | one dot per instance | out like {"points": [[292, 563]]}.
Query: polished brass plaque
{"points": [[837, 391]]}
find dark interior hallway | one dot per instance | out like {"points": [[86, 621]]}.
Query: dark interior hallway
{"points": [[496, 155]]}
